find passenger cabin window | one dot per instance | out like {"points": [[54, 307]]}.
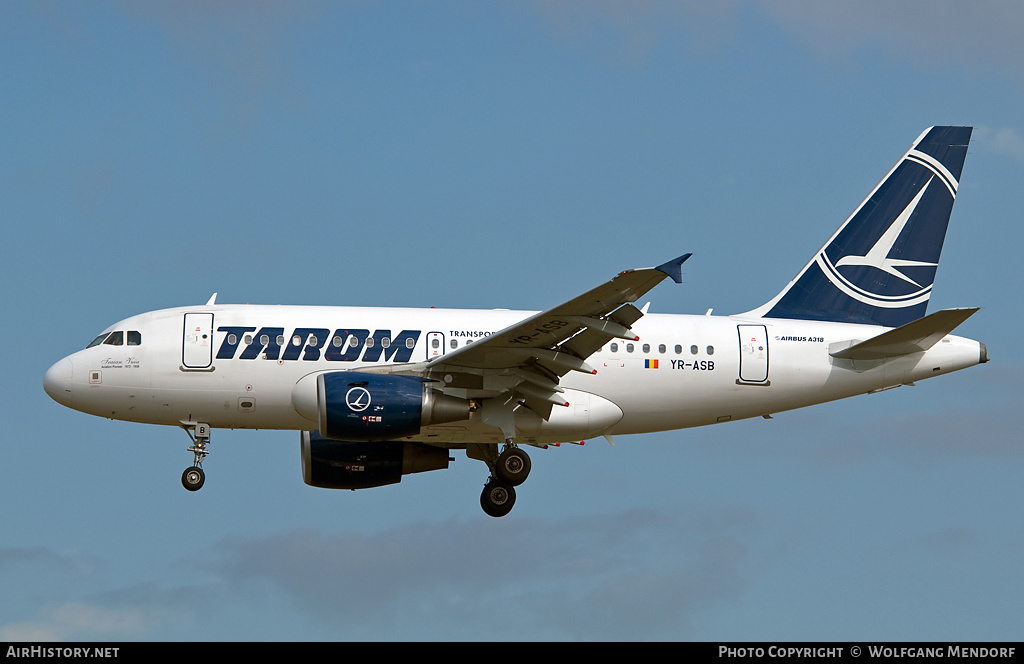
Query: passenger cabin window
{"points": [[134, 338], [115, 339]]}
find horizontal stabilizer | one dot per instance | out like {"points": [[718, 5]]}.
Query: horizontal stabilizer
{"points": [[915, 337]]}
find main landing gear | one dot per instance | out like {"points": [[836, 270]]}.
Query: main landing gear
{"points": [[509, 469], [194, 477]]}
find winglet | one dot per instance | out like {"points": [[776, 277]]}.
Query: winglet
{"points": [[674, 268], [212, 300]]}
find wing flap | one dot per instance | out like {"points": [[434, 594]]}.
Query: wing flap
{"points": [[594, 337]]}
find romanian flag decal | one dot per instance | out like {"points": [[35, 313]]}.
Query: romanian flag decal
{"points": [[650, 364]]}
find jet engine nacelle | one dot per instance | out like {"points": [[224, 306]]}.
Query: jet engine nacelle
{"points": [[366, 407], [338, 464]]}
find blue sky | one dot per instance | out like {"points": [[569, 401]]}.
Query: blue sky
{"points": [[502, 155]]}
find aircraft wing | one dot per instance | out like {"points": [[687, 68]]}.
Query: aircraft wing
{"points": [[529, 357], [549, 337]]}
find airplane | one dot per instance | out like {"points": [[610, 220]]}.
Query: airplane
{"points": [[378, 393]]}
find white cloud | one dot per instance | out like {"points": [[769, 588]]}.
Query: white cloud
{"points": [[641, 25], [636, 574], [72, 621], [936, 33], [75, 563], [1005, 140]]}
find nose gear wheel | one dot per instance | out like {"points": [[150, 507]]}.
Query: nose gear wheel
{"points": [[193, 478]]}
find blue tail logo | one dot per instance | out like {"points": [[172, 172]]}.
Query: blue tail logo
{"points": [[879, 267]]}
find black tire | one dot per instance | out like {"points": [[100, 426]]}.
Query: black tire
{"points": [[193, 478], [497, 499], [513, 466]]}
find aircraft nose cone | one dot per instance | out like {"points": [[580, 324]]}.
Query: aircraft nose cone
{"points": [[57, 382]]}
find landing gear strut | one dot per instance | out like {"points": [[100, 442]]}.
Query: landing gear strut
{"points": [[194, 477], [509, 469]]}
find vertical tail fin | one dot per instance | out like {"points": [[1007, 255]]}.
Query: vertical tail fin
{"points": [[879, 267]]}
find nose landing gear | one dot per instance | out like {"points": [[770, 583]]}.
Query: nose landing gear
{"points": [[194, 477]]}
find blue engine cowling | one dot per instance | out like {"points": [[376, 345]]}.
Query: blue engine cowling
{"points": [[338, 464], [369, 407]]}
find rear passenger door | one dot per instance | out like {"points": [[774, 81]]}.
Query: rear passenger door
{"points": [[753, 354]]}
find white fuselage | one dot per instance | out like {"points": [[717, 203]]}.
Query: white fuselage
{"points": [[209, 364]]}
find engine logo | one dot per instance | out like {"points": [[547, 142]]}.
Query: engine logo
{"points": [[357, 399]]}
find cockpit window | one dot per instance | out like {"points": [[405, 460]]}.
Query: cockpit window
{"points": [[98, 340], [134, 338], [115, 339]]}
